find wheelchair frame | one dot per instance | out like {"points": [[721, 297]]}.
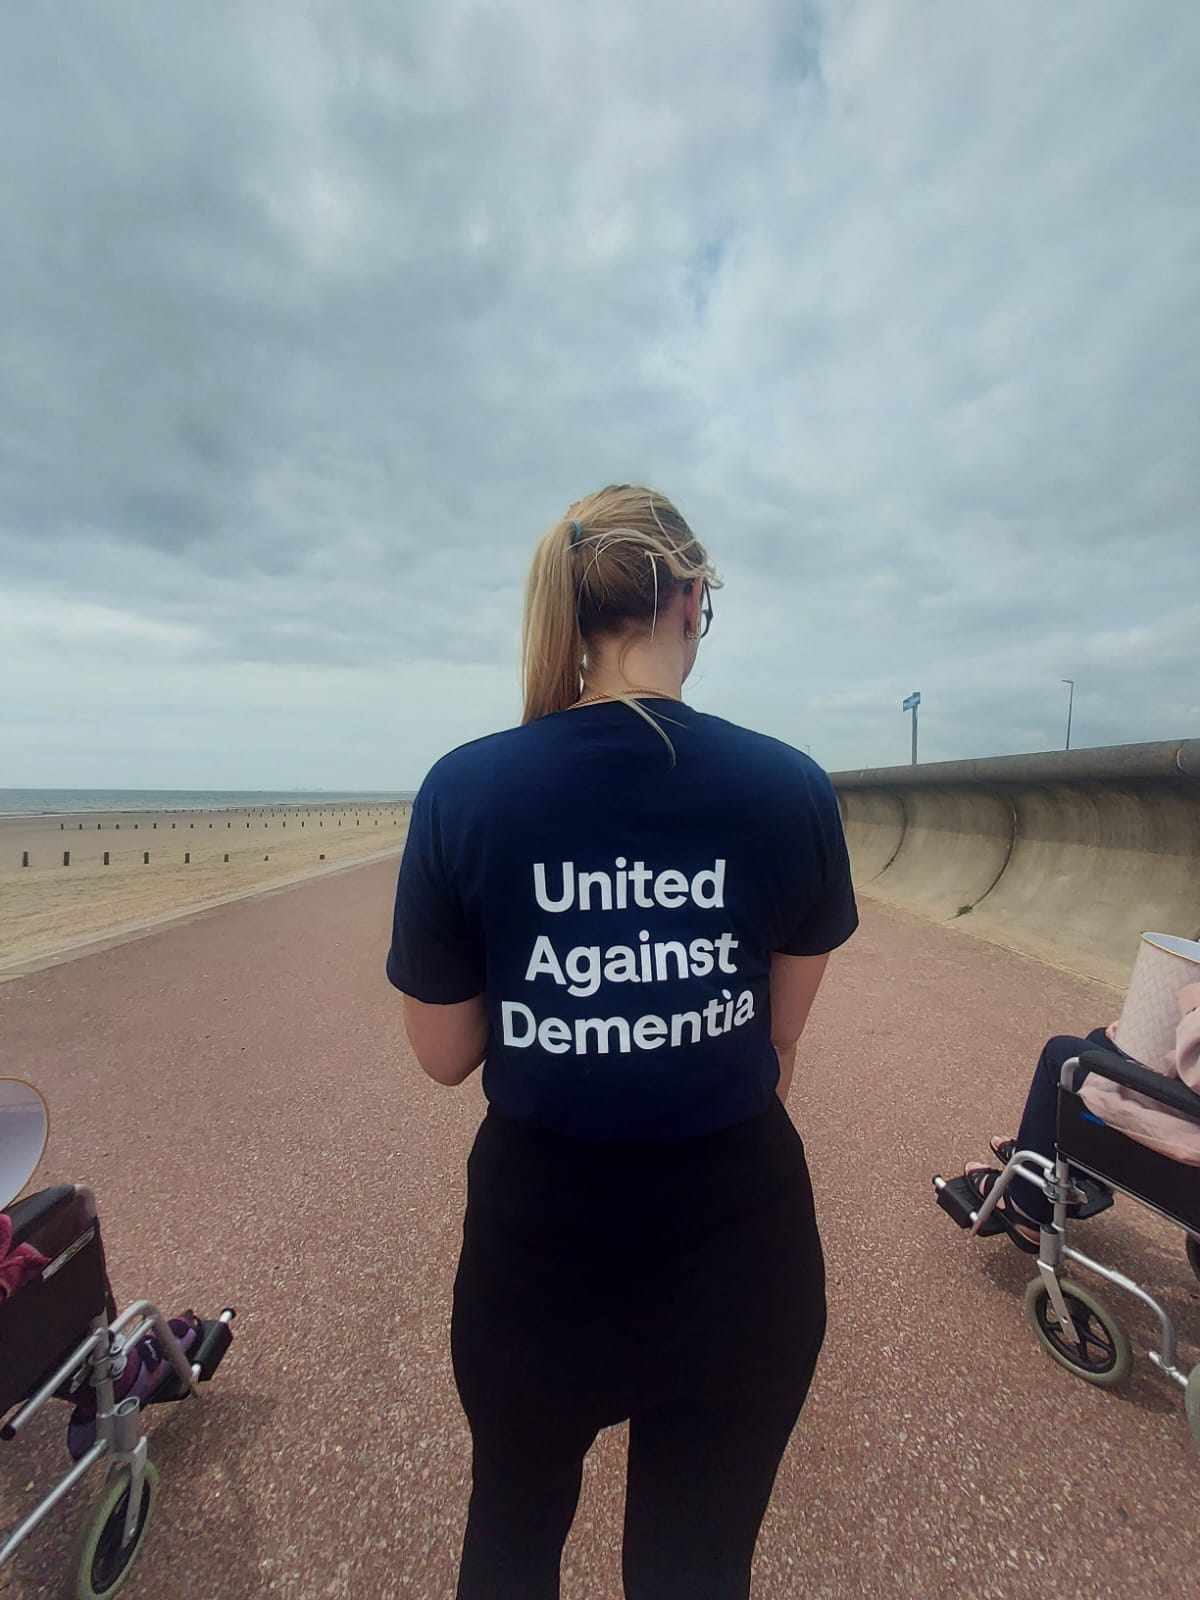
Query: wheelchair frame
{"points": [[118, 1436], [1053, 1178]]}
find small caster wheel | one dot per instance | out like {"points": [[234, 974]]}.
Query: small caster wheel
{"points": [[1102, 1356], [1193, 1253], [103, 1566], [1191, 1401]]}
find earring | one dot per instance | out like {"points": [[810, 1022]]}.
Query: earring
{"points": [[691, 634]]}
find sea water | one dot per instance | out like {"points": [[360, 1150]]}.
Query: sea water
{"points": [[62, 802]]}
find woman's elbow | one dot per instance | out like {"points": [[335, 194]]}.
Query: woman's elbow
{"points": [[450, 1072], [450, 1041]]}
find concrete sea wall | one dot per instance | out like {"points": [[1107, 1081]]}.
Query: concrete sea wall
{"points": [[1068, 855]]}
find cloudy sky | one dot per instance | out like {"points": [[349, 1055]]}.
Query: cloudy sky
{"points": [[312, 318]]}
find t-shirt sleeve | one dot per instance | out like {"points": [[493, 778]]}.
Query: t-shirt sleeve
{"points": [[823, 912], [436, 954]]}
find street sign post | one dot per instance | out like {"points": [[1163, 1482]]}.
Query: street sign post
{"points": [[911, 704]]}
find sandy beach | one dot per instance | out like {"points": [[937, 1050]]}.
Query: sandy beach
{"points": [[196, 859]]}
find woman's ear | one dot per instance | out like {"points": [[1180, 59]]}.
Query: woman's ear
{"points": [[691, 608]]}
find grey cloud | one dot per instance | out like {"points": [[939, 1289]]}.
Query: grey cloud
{"points": [[309, 325]]}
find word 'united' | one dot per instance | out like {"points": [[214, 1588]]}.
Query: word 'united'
{"points": [[625, 886]]}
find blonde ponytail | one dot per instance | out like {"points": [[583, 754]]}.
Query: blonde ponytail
{"points": [[551, 641], [608, 566]]}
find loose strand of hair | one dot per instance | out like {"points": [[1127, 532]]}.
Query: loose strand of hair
{"points": [[648, 716]]}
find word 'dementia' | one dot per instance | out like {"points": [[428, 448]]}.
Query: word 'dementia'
{"points": [[598, 1035]]}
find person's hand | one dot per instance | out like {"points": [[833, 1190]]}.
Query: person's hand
{"points": [[1189, 998], [1111, 1030]]}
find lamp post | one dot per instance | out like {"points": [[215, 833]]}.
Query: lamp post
{"points": [[911, 704], [1070, 707]]}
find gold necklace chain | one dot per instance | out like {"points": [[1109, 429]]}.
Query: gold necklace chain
{"points": [[634, 688]]}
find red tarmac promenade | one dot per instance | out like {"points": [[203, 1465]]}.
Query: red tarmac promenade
{"points": [[237, 1090]]}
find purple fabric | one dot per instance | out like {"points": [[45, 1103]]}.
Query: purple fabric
{"points": [[146, 1366]]}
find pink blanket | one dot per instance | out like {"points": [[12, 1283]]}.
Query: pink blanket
{"points": [[1164, 1130], [17, 1264]]}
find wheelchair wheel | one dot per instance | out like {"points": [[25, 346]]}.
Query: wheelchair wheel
{"points": [[1193, 1253], [103, 1566], [1191, 1401], [1103, 1356]]}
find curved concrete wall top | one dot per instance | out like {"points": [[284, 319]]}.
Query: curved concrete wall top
{"points": [[1167, 758], [1069, 855]]}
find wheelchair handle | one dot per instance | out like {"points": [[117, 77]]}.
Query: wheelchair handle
{"points": [[1132, 1075]]}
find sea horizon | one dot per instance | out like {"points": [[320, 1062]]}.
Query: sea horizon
{"points": [[74, 802]]}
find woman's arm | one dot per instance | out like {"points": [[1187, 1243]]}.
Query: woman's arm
{"points": [[794, 984], [448, 1041]]}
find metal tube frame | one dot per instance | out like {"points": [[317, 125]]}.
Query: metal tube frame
{"points": [[1053, 1178], [118, 1435]]}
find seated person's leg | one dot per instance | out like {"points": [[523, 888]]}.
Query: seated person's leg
{"points": [[1041, 1114]]}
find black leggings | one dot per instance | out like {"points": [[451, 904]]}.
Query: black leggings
{"points": [[680, 1286]]}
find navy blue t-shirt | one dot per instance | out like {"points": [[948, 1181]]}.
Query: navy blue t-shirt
{"points": [[619, 912]]}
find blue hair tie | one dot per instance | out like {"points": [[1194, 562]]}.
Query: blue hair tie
{"points": [[576, 530]]}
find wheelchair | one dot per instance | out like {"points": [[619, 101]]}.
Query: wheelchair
{"points": [[61, 1337], [1092, 1163]]}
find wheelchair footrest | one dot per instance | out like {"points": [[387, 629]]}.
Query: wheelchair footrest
{"points": [[958, 1200], [1097, 1198], [215, 1339]]}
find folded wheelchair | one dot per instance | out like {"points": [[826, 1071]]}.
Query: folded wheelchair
{"points": [[62, 1338], [1092, 1162]]}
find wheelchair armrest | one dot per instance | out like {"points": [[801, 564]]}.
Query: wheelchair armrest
{"points": [[1133, 1075], [25, 1215]]}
